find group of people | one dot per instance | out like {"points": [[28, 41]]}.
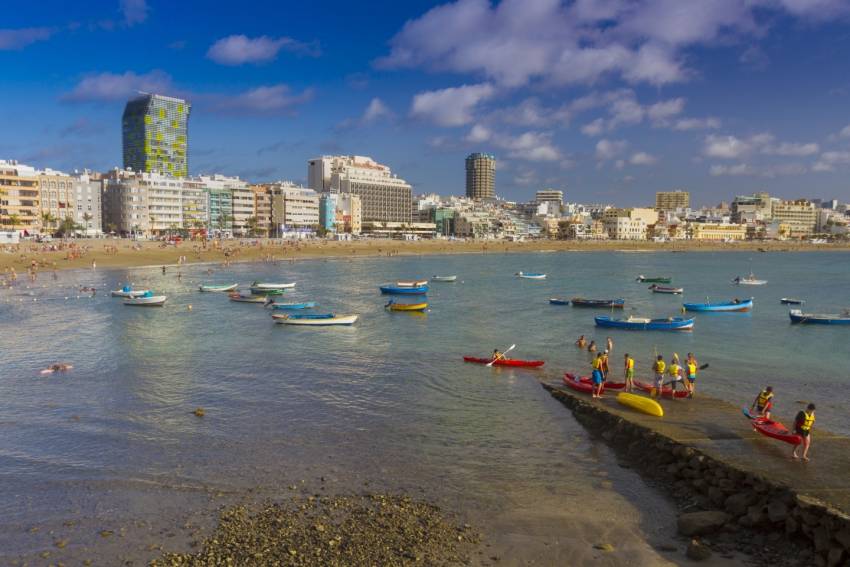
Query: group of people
{"points": [[803, 421], [680, 375]]}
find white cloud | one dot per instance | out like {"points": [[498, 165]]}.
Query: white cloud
{"points": [[376, 110], [478, 134], [530, 112], [643, 158], [11, 40], [609, 149], [845, 132], [792, 149], [273, 99], [117, 87], [662, 111], [684, 124], [828, 160], [452, 106], [135, 11], [594, 128], [531, 146], [240, 49], [726, 147], [770, 171]]}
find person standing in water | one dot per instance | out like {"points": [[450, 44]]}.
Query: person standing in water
{"points": [[803, 427], [610, 344], [691, 367]]}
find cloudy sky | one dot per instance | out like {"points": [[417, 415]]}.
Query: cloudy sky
{"points": [[610, 100]]}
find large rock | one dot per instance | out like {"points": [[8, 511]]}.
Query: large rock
{"points": [[739, 503], [843, 537], [702, 523], [820, 535], [777, 511], [697, 551], [835, 556]]}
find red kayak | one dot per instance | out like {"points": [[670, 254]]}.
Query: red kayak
{"points": [[608, 384], [505, 362], [578, 384], [666, 391], [773, 429]]}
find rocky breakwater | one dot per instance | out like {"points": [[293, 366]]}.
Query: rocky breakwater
{"points": [[724, 508]]}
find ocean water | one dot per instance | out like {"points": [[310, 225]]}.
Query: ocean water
{"points": [[387, 404]]}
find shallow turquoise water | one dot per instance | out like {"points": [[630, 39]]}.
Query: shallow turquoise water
{"points": [[387, 401]]}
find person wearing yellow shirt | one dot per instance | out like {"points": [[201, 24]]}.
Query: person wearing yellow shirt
{"points": [[803, 427], [691, 367], [675, 373], [629, 372], [659, 367], [598, 378]]}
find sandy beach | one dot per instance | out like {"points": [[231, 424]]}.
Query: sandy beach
{"points": [[124, 253]]}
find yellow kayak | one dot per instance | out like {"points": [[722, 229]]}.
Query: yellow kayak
{"points": [[640, 403], [407, 306]]}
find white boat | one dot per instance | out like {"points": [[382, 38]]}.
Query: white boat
{"points": [[419, 283], [129, 292], [748, 280], [531, 276], [213, 288], [270, 286], [146, 301], [315, 320], [443, 278]]}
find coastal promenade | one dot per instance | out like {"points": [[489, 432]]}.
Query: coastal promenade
{"points": [[709, 447]]}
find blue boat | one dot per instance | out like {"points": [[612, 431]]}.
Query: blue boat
{"points": [[646, 324], [304, 305], [798, 316], [555, 301], [404, 290], [734, 305]]}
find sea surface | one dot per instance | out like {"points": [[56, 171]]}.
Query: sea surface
{"points": [[107, 461]]}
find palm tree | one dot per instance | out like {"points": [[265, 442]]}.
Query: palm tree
{"points": [[47, 219], [14, 220], [87, 217], [252, 223]]}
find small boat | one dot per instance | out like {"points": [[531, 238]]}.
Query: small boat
{"points": [[391, 289], [655, 279], [443, 278], [219, 288], [575, 383], [748, 280], [271, 286], [239, 298], [267, 292], [505, 362], [797, 316], [531, 276], [418, 283], [609, 385], [772, 429], [129, 292], [646, 324], [325, 320], [791, 301], [666, 391], [607, 303], [640, 403], [146, 300], [734, 305], [556, 301], [293, 306], [393, 306], [670, 290]]}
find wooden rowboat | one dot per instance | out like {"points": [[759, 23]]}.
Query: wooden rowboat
{"points": [[217, 288], [326, 320], [146, 301], [392, 306]]}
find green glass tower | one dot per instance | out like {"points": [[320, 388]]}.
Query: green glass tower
{"points": [[154, 132]]}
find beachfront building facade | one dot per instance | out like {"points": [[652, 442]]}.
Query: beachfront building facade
{"points": [[87, 199], [20, 201], [672, 201], [56, 197], [553, 196], [625, 228], [757, 207], [384, 197], [244, 211], [799, 217], [480, 176], [342, 213], [294, 209], [262, 224], [717, 231], [125, 204], [154, 131]]}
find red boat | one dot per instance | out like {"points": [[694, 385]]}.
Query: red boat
{"points": [[506, 362], [666, 391], [585, 383], [609, 385], [773, 429]]}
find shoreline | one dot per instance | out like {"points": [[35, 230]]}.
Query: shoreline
{"points": [[129, 254]]}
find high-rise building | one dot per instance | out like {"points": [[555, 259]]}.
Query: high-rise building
{"points": [[155, 135], [797, 219], [549, 196], [384, 197], [480, 176], [672, 200], [19, 197]]}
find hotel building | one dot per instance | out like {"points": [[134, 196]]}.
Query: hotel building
{"points": [[155, 135]]}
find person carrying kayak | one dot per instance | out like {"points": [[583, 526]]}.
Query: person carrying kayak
{"points": [[629, 372], [659, 367], [763, 402], [598, 377], [691, 367], [803, 427]]}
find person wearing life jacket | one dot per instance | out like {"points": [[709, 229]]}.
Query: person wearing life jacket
{"points": [[763, 403], [605, 369], [803, 427], [691, 367], [497, 355], [597, 377], [659, 367], [675, 373], [629, 372]]}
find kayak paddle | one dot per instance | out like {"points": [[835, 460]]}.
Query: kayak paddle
{"points": [[509, 349]]}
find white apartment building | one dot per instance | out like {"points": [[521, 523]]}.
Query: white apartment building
{"points": [[88, 202], [383, 196], [243, 209], [293, 207], [625, 228]]}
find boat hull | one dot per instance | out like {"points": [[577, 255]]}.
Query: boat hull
{"points": [[445, 279], [394, 290], [407, 306], [217, 288], [790, 301], [729, 306], [599, 303], [272, 286], [798, 316], [654, 280], [247, 298], [155, 301], [640, 403], [666, 391], [318, 322], [293, 306], [671, 324], [667, 290], [509, 362], [122, 293], [531, 276], [555, 301]]}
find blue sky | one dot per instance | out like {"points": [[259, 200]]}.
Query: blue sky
{"points": [[609, 100]]}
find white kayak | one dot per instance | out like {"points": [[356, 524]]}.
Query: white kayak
{"points": [[444, 278], [129, 293], [315, 321], [213, 288], [152, 301]]}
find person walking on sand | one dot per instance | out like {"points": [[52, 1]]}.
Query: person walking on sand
{"points": [[763, 402], [597, 377], [659, 367], [691, 367], [629, 372], [803, 427]]}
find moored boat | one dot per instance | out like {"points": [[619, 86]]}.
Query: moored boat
{"points": [[797, 316], [646, 324], [505, 362], [393, 289], [146, 300], [217, 288], [791, 301], [293, 306], [271, 286], [772, 429], [734, 305], [670, 290], [654, 279], [531, 276], [239, 298], [556, 301], [443, 278], [267, 292], [417, 283], [393, 306], [607, 303], [325, 320], [748, 280], [129, 292]]}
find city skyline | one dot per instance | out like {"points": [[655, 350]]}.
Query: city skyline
{"points": [[608, 101]]}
